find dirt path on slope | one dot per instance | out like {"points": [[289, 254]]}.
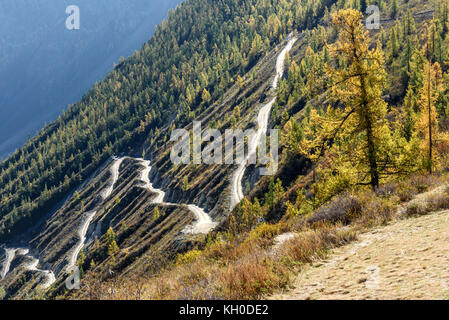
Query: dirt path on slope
{"points": [[408, 259]]}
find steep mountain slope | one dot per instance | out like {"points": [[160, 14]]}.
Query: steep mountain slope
{"points": [[115, 198], [183, 231], [58, 242], [213, 185], [156, 86], [43, 62], [234, 261]]}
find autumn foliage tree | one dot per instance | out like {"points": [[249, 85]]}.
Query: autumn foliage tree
{"points": [[351, 141], [111, 244], [427, 124], [428, 120]]}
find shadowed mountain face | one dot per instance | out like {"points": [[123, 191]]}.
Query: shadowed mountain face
{"points": [[44, 67]]}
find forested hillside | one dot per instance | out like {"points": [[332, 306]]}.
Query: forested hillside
{"points": [[384, 113], [201, 46], [363, 116]]}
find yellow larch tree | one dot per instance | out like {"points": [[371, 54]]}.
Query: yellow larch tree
{"points": [[353, 134], [427, 125]]}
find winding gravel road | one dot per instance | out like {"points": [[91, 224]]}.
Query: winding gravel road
{"points": [[30, 266], [145, 177], [262, 121], [203, 222], [10, 255], [114, 172], [88, 216]]}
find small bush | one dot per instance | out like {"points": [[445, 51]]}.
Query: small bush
{"points": [[188, 257], [387, 190], [433, 203], [438, 202], [253, 278], [423, 182], [415, 209], [406, 192], [376, 211], [264, 231], [344, 209], [313, 244]]}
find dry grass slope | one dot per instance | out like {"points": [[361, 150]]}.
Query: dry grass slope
{"points": [[405, 260]]}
